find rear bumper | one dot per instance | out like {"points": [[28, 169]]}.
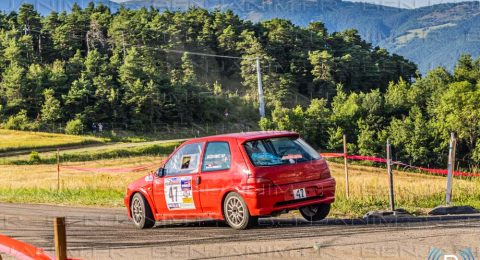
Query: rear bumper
{"points": [[266, 201]]}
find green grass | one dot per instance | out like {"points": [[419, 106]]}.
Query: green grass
{"points": [[11, 140], [156, 149], [78, 196]]}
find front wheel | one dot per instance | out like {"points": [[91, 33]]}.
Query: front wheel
{"points": [[142, 215], [315, 212], [236, 212]]}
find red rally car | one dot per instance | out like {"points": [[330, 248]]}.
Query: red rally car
{"points": [[237, 178]]}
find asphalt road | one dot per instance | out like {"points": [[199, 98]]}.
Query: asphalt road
{"points": [[98, 233]]}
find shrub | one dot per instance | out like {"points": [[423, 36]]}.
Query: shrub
{"points": [[34, 157], [20, 121], [74, 127]]}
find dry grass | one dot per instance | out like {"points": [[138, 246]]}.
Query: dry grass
{"points": [[44, 176], [368, 186], [11, 140], [38, 183], [415, 192]]}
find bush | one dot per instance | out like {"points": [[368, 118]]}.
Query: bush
{"points": [[20, 121], [34, 157], [74, 127]]}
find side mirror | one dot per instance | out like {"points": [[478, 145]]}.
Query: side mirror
{"points": [[160, 172]]}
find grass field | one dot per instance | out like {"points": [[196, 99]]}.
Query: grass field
{"points": [[368, 187], [38, 183], [96, 153], [11, 140]]}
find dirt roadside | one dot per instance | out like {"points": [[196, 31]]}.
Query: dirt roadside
{"points": [[98, 233]]}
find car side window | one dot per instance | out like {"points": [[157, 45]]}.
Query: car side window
{"points": [[216, 157], [185, 160]]}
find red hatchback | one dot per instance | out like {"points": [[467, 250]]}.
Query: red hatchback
{"points": [[237, 178]]}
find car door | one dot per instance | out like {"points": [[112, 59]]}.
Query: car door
{"points": [[176, 193], [215, 175]]}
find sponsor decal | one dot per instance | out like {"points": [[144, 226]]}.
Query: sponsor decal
{"points": [[178, 193]]}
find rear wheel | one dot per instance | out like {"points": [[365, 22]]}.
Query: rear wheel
{"points": [[315, 212], [236, 212], [142, 215]]}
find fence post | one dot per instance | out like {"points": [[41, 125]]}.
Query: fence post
{"points": [[60, 237], [58, 169], [390, 175], [450, 167], [347, 183]]}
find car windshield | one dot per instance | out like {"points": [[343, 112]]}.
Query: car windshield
{"points": [[278, 151]]}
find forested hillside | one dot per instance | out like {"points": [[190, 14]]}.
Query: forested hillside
{"points": [[430, 36], [94, 66], [417, 118], [141, 68]]}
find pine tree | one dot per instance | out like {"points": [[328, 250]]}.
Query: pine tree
{"points": [[51, 108]]}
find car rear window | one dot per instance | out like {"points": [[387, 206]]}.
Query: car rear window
{"points": [[278, 151]]}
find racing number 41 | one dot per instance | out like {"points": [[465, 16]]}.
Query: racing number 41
{"points": [[299, 194], [173, 195]]}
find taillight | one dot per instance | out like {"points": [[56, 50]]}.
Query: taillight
{"points": [[258, 182]]}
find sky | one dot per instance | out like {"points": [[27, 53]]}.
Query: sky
{"points": [[408, 3]]}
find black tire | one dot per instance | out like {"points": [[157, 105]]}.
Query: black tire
{"points": [[315, 212], [142, 215], [236, 213]]}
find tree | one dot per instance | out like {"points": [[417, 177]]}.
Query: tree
{"points": [[18, 49], [36, 80], [457, 111], [70, 36], [396, 98], [79, 98], [29, 22], [13, 86], [467, 69], [317, 122], [275, 86], [411, 138], [322, 62], [57, 78], [51, 108], [370, 140], [228, 39], [346, 111], [188, 70]]}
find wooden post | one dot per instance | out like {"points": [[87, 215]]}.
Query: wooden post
{"points": [[390, 175], [60, 237], [58, 169], [451, 167], [347, 184]]}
